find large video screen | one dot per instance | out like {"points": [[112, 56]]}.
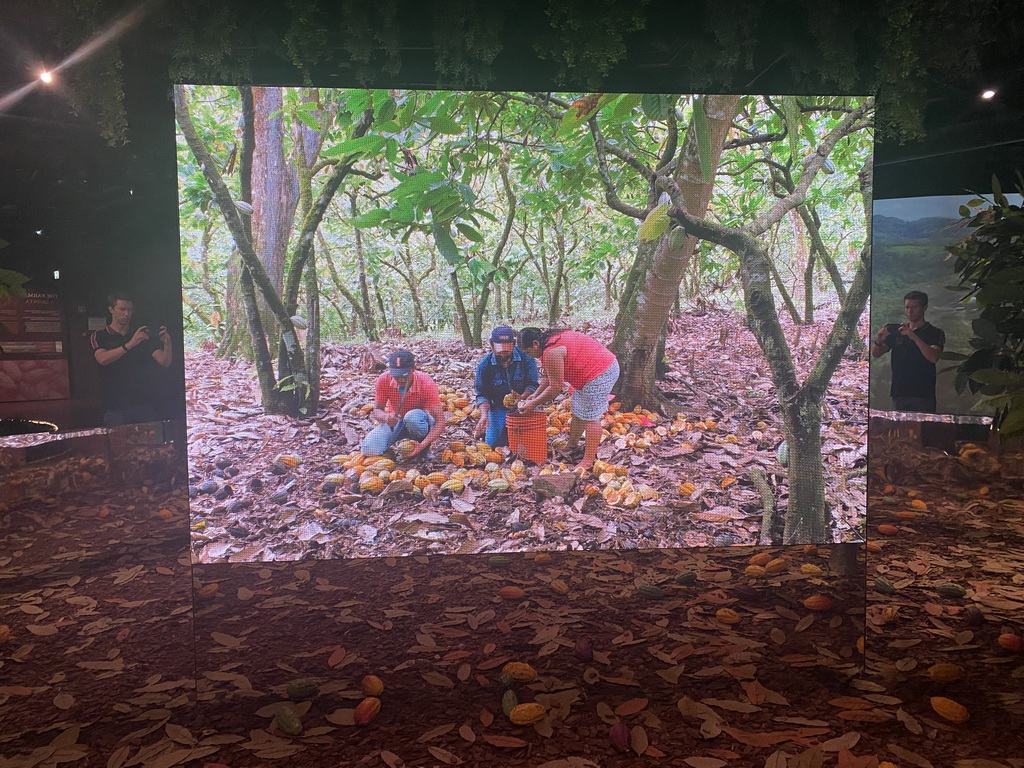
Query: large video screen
{"points": [[431, 322]]}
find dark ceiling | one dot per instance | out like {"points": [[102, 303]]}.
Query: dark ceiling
{"points": [[69, 201]]}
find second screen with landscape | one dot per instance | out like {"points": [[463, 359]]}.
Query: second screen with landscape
{"points": [[717, 246]]}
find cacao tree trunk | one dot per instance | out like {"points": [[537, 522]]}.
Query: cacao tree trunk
{"points": [[653, 282]]}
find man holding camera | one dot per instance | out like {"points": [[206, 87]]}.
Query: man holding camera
{"points": [[126, 358], [915, 346]]}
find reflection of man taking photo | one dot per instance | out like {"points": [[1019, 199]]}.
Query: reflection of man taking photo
{"points": [[126, 357], [915, 346]]}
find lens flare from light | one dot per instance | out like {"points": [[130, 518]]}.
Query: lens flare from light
{"points": [[46, 77]]}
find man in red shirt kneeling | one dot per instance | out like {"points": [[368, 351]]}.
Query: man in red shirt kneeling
{"points": [[406, 405]]}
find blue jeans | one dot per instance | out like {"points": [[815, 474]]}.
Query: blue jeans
{"points": [[415, 424], [496, 435], [914, 404]]}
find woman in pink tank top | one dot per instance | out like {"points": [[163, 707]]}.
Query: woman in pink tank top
{"points": [[591, 369]]}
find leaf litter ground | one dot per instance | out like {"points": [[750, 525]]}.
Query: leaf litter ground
{"points": [[106, 663], [104, 660], [728, 426]]}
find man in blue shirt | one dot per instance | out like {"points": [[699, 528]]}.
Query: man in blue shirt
{"points": [[505, 369]]}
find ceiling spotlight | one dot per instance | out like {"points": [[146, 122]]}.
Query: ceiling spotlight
{"points": [[46, 77], [988, 94]]}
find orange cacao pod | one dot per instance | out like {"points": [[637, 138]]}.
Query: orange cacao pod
{"points": [[520, 671], [761, 558], [949, 709], [527, 714], [511, 593], [818, 603], [778, 565], [1009, 641], [372, 685], [727, 616], [755, 571], [560, 586], [888, 530], [367, 710]]}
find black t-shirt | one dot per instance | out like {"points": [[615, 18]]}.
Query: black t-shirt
{"points": [[129, 381], [912, 374]]}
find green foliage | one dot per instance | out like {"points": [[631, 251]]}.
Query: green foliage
{"points": [[990, 263], [12, 284]]}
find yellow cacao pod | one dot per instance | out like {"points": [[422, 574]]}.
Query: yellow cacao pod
{"points": [[421, 481], [371, 485], [727, 616], [560, 586], [494, 456], [755, 571], [290, 460], [761, 558], [454, 485], [510, 400], [372, 685], [949, 709], [457, 446], [404, 448], [520, 671], [498, 484], [382, 465], [527, 714], [811, 570]]}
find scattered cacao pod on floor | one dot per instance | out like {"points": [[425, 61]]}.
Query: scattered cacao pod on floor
{"points": [[687, 489], [511, 593], [945, 673], [404, 448], [755, 572], [560, 586], [210, 486], [290, 460], [951, 590], [509, 701], [1010, 641], [727, 616], [366, 710], [761, 558], [520, 671], [884, 586], [776, 566], [527, 714], [436, 478], [499, 561], [619, 735], [686, 578], [818, 603], [949, 709], [5, 633], [583, 649], [371, 485], [372, 685], [888, 530], [650, 591], [973, 616], [288, 720], [811, 570], [303, 688], [454, 485], [543, 557]]}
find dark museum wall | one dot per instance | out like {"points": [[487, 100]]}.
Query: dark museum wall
{"points": [[103, 212]]}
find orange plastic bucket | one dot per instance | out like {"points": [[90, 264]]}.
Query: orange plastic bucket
{"points": [[527, 435]]}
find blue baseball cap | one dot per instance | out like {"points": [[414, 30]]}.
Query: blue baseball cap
{"points": [[401, 362], [503, 338]]}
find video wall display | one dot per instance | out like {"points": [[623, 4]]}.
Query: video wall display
{"points": [[432, 322], [911, 236]]}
